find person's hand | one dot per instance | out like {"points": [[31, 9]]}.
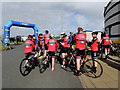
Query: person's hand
{"points": [[61, 43]]}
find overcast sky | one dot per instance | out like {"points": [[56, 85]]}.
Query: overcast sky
{"points": [[54, 16]]}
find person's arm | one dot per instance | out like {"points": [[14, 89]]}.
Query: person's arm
{"points": [[101, 40], [74, 38], [47, 43], [110, 41], [56, 44], [68, 39]]}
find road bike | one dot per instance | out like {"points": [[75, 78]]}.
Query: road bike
{"points": [[87, 66], [44, 62], [27, 65]]}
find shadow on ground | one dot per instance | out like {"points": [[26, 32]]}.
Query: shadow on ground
{"points": [[112, 62]]}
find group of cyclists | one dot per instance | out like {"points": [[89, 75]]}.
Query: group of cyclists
{"points": [[51, 45]]}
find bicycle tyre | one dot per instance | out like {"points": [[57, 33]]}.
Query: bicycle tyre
{"points": [[42, 67], [27, 69], [88, 69]]}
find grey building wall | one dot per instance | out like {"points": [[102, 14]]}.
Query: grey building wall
{"points": [[112, 19], [111, 12]]}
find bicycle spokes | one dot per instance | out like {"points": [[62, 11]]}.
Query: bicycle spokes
{"points": [[93, 68]]}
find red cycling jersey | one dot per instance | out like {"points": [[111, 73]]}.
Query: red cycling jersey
{"points": [[106, 40], [65, 43], [80, 41], [94, 46], [46, 38], [40, 40], [29, 46], [52, 45]]}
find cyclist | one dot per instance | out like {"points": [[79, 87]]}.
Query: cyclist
{"points": [[30, 49], [80, 39], [7, 43], [46, 38], [40, 42], [33, 39], [64, 42], [52, 48], [94, 44], [106, 44], [71, 39]]}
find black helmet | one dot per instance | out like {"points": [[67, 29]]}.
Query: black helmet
{"points": [[30, 36], [40, 34], [94, 33]]}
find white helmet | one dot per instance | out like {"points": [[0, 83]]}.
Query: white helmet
{"points": [[63, 33]]}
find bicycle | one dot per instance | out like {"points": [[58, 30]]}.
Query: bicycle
{"points": [[27, 65], [70, 61], [87, 66], [44, 63], [102, 55]]}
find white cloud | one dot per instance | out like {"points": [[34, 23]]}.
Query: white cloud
{"points": [[56, 0], [56, 17]]}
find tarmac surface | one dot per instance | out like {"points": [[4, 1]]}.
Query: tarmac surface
{"points": [[11, 77]]}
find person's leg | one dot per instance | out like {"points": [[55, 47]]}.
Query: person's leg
{"points": [[83, 56], [94, 57], [63, 57], [108, 51], [27, 55], [78, 62], [8, 46], [105, 51], [46, 50], [53, 63], [45, 53], [40, 52]]}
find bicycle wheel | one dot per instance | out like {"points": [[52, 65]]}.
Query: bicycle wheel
{"points": [[67, 66], [70, 64], [25, 67], [90, 69], [42, 66]]}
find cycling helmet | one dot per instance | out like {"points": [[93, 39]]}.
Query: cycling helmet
{"points": [[94, 33], [63, 33], [52, 36], [29, 36], [40, 34], [80, 29]]}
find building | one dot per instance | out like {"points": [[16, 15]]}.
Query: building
{"points": [[112, 19], [89, 35]]}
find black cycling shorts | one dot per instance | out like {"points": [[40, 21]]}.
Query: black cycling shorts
{"points": [[51, 53], [45, 46], [64, 49], [80, 52], [29, 55], [8, 44], [106, 46], [40, 46], [94, 54]]}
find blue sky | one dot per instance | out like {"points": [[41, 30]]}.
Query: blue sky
{"points": [[54, 16]]}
